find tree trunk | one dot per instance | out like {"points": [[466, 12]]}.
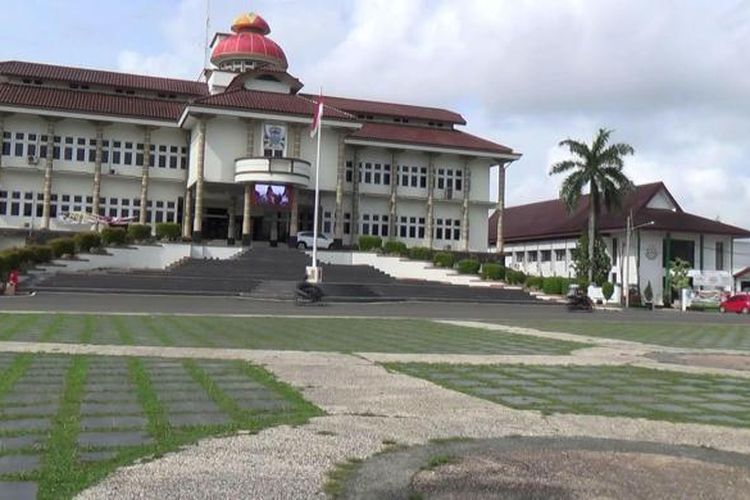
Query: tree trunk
{"points": [[592, 231]]}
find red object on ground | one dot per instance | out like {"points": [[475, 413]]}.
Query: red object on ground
{"points": [[737, 303], [13, 277]]}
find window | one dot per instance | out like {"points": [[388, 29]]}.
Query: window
{"points": [[174, 156], [347, 223], [447, 229], [560, 255], [139, 155], [274, 140], [68, 150], [519, 257], [368, 173], [162, 157], [449, 179], [81, 149], [719, 255], [546, 255], [183, 157], [6, 143], [531, 256], [411, 227], [614, 251], [327, 222], [349, 171], [3, 202], [18, 149], [128, 154]]}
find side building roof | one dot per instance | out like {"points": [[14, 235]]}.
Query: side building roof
{"points": [[546, 220], [22, 69]]}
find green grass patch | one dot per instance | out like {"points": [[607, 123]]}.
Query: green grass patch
{"points": [[337, 478], [59, 477], [439, 461], [689, 335], [16, 323], [598, 390], [299, 334], [15, 371]]}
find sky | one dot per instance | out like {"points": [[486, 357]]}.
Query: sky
{"points": [[670, 77]]}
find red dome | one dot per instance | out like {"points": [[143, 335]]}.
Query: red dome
{"points": [[248, 45]]}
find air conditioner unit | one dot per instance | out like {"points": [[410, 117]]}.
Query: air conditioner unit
{"points": [[32, 160]]}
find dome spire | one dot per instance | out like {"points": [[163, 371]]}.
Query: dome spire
{"points": [[248, 47], [251, 22]]}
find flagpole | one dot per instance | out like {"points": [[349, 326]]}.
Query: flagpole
{"points": [[317, 196]]}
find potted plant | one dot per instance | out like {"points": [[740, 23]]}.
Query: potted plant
{"points": [[648, 295]]}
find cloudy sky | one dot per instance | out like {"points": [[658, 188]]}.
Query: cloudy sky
{"points": [[671, 77]]}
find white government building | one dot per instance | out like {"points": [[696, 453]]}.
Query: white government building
{"points": [[539, 239], [230, 157]]}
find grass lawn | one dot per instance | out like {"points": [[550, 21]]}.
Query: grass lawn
{"points": [[319, 334], [690, 335], [598, 390], [68, 421]]}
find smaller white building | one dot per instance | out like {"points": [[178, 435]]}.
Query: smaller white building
{"points": [[538, 239]]}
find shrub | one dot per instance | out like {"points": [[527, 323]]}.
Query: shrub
{"points": [[12, 258], [534, 282], [420, 253], [86, 241], [63, 246], [369, 243], [4, 267], [139, 232], [555, 285], [395, 248], [648, 293], [169, 231], [114, 236], [493, 271], [468, 266], [515, 277], [608, 289], [41, 253], [443, 259]]}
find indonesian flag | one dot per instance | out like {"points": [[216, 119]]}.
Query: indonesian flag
{"points": [[317, 117]]}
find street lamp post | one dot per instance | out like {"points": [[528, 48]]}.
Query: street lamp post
{"points": [[626, 272]]}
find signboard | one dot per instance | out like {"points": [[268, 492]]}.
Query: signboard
{"points": [[711, 279]]}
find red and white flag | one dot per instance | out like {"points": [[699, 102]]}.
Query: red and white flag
{"points": [[317, 117]]}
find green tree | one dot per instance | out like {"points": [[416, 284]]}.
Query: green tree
{"points": [[595, 270], [678, 269], [599, 167]]}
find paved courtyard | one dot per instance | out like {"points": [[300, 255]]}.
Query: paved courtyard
{"points": [[275, 407]]}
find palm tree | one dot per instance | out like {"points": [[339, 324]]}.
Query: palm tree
{"points": [[598, 167]]}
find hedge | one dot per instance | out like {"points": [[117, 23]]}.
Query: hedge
{"points": [[443, 259], [62, 246], [515, 277], [41, 253], [368, 243], [555, 285], [468, 266], [492, 271], [139, 232], [534, 282], [86, 241], [395, 248], [114, 236], [168, 231], [420, 253]]}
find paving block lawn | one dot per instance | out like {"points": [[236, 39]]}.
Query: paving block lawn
{"points": [[688, 335], [598, 390], [67, 421], [300, 334]]}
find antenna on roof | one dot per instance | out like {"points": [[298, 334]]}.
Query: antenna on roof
{"points": [[208, 30]]}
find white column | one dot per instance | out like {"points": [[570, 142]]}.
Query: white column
{"points": [[200, 163], [500, 208]]}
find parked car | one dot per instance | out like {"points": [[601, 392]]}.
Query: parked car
{"points": [[305, 240], [736, 303]]}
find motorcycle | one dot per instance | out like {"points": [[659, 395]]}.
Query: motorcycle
{"points": [[580, 302], [308, 293]]}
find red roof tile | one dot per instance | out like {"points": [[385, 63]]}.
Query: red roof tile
{"points": [[256, 100], [360, 106], [444, 138], [23, 69], [549, 219], [45, 98]]}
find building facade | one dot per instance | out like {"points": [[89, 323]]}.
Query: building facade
{"points": [[540, 237], [230, 157]]}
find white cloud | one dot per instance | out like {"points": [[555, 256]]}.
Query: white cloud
{"points": [[670, 77]]}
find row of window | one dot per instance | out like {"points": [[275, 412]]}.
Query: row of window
{"points": [[83, 150], [533, 256], [408, 176], [30, 204], [407, 227]]}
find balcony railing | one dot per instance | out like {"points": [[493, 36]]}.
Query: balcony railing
{"points": [[272, 170]]}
